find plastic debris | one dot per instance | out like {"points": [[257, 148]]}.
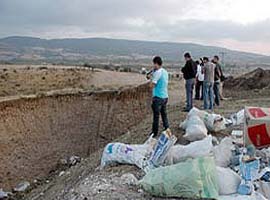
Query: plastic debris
{"points": [[3, 194], [22, 187], [194, 178]]}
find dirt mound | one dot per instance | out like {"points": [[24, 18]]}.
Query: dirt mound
{"points": [[257, 79]]}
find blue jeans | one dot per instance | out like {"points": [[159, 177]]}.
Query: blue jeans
{"points": [[208, 95], [189, 93], [216, 92]]}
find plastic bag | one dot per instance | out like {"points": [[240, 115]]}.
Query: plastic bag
{"points": [[196, 149], [127, 154], [195, 129], [213, 122], [228, 181], [165, 142], [195, 178], [223, 152]]}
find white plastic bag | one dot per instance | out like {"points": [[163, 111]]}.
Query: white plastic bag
{"points": [[195, 129], [119, 153], [179, 153], [213, 122], [228, 181], [223, 152]]}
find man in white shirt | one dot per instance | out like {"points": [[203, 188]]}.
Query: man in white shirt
{"points": [[199, 82]]}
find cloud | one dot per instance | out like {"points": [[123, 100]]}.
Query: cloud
{"points": [[226, 22]]}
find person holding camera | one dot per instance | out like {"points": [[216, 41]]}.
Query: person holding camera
{"points": [[159, 85]]}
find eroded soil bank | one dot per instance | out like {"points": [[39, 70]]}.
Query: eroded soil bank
{"points": [[37, 131]]}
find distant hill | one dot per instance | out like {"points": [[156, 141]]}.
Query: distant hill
{"points": [[29, 49]]}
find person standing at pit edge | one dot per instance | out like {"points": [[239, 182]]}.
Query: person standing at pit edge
{"points": [[159, 85], [218, 75], [208, 84], [189, 72]]}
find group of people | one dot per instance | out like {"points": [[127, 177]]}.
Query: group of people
{"points": [[206, 76]]}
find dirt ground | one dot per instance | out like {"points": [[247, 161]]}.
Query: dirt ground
{"points": [[25, 80], [85, 181]]}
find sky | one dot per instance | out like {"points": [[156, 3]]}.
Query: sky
{"points": [[235, 24]]}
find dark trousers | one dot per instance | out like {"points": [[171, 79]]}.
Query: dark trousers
{"points": [[199, 90], [189, 93], [216, 93], [159, 107]]}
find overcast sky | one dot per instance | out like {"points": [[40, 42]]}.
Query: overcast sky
{"points": [[235, 24]]}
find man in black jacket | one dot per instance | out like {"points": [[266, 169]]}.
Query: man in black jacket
{"points": [[189, 72], [218, 75]]}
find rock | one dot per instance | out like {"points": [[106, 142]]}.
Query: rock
{"points": [[22, 187], [129, 179], [63, 161]]}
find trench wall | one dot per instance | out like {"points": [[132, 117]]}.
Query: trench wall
{"points": [[36, 132]]}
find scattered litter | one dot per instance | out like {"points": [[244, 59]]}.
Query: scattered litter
{"points": [[22, 187], [236, 118], [223, 152], [228, 181], [194, 178], [196, 149]]}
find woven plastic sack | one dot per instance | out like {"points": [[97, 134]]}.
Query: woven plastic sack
{"points": [[119, 153], [195, 178]]}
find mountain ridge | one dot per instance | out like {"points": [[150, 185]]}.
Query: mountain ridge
{"points": [[16, 48]]}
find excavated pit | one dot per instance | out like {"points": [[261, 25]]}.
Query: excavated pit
{"points": [[37, 131]]}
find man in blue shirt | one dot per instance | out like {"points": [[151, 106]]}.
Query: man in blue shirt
{"points": [[159, 85]]}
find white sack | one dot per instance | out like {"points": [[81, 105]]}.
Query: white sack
{"points": [[223, 152], [195, 129], [213, 122], [228, 181], [119, 153], [179, 153]]}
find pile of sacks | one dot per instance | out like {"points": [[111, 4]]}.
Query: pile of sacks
{"points": [[196, 170]]}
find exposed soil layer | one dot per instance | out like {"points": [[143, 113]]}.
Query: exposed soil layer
{"points": [[257, 79], [37, 131], [23, 79]]}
